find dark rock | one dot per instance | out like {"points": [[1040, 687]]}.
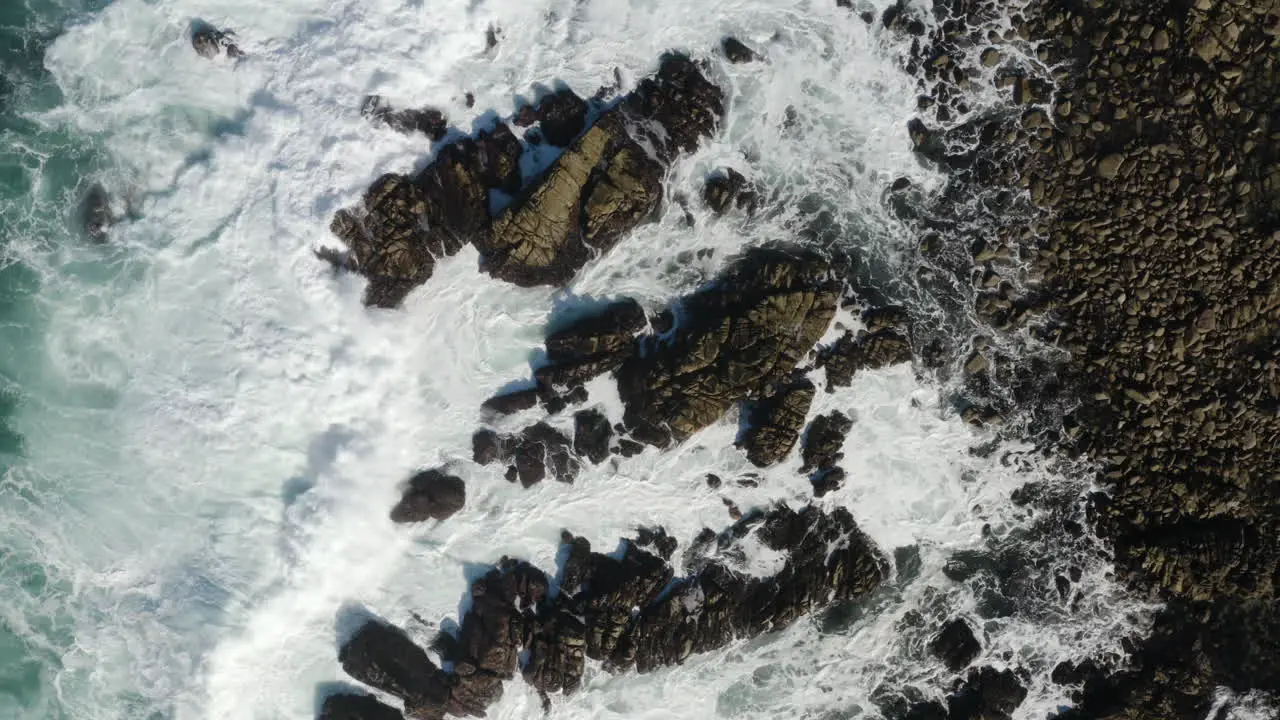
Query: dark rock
{"points": [[823, 441], [728, 187], [681, 102], [488, 446], [211, 42], [931, 710], [713, 481], [744, 335], [591, 435], [431, 495], [540, 448], [987, 694], [385, 658], [428, 121], [735, 51], [775, 423], [629, 448], [95, 213], [349, 706], [511, 403], [562, 115], [556, 402], [868, 351], [827, 481], [592, 345], [955, 645], [658, 539]]}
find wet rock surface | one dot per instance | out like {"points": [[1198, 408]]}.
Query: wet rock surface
{"points": [[955, 644], [823, 441], [742, 339], [774, 423], [431, 495], [864, 351], [210, 42], [350, 706], [607, 181], [595, 614], [727, 188]]}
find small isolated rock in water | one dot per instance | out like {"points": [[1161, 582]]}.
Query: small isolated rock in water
{"points": [[727, 187], [95, 213], [431, 495], [955, 645], [349, 706], [428, 121], [211, 42], [736, 52]]}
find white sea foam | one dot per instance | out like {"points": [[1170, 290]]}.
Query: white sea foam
{"points": [[232, 425]]}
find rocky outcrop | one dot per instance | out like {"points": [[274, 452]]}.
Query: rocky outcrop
{"points": [[431, 494], [627, 612], [591, 346], [741, 338], [428, 121], [774, 423], [603, 185], [349, 706], [823, 441], [210, 42], [864, 351], [532, 453], [383, 657], [955, 645]]}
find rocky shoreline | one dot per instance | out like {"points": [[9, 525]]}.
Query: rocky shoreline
{"points": [[1144, 137]]}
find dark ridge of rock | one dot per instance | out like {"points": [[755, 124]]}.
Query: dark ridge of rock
{"points": [[555, 401], [592, 345], [601, 187], [350, 706], [827, 481], [736, 52], [743, 336], [431, 494], [512, 402], [955, 644], [823, 441], [96, 216], [210, 42], [658, 539], [848, 355], [383, 657], [775, 423], [428, 121], [828, 560], [886, 317], [591, 435], [728, 187], [987, 694]]}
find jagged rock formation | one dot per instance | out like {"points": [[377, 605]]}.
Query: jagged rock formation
{"points": [[533, 452], [864, 351], [742, 339], [955, 644], [561, 116], [431, 494], [725, 188], [775, 423], [827, 560], [604, 184], [823, 440]]}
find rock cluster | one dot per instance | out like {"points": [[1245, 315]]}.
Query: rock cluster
{"points": [[604, 184], [627, 613], [428, 121], [1148, 158], [210, 42]]}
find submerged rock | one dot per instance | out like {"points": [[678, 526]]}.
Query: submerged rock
{"points": [[736, 51], [210, 42], [428, 121], [743, 336], [728, 187], [431, 494], [96, 216]]}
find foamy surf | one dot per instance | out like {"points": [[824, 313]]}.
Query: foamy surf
{"points": [[224, 427]]}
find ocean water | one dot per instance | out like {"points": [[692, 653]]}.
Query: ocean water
{"points": [[202, 430]]}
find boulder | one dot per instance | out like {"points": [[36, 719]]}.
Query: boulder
{"points": [[987, 694], [431, 495], [428, 121], [350, 706], [823, 441], [211, 42], [511, 403], [538, 449], [775, 423], [591, 435], [384, 658], [740, 338], [955, 645]]}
